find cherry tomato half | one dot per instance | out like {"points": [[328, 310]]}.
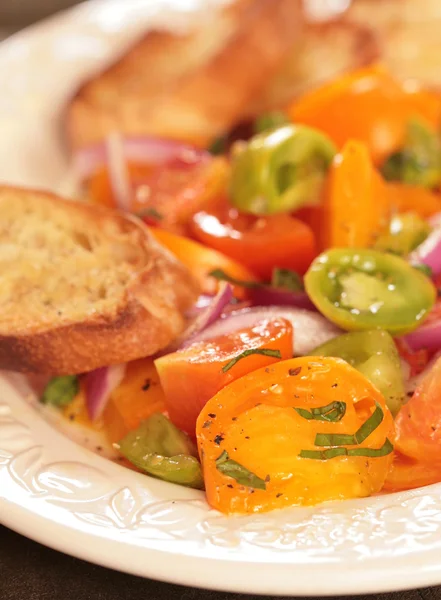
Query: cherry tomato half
{"points": [[259, 243]]}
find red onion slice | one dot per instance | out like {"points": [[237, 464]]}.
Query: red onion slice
{"points": [[118, 172], [310, 328], [99, 384], [427, 336], [272, 296], [204, 317], [429, 252], [201, 304], [148, 150]]}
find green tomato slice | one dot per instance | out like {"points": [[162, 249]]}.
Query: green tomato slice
{"points": [[359, 289], [374, 354], [280, 170], [163, 451], [406, 232]]}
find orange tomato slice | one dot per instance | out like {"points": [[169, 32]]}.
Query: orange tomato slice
{"points": [[138, 396], [407, 198], [368, 105], [190, 377], [356, 205], [257, 421], [202, 260]]}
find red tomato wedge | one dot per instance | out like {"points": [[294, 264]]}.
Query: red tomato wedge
{"points": [[416, 359], [259, 243], [190, 377], [168, 195], [418, 423], [407, 474]]}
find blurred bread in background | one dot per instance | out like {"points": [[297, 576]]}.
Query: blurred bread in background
{"points": [[253, 56], [191, 87]]}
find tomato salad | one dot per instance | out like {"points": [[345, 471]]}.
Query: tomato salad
{"points": [[309, 370]]}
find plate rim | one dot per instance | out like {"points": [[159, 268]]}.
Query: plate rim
{"points": [[279, 578]]}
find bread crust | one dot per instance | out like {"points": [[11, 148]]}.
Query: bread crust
{"points": [[149, 316], [146, 93]]}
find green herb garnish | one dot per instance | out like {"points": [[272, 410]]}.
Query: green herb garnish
{"points": [[287, 280], [282, 279], [238, 472], [150, 213], [60, 391], [419, 162], [218, 146], [385, 449], [249, 352], [332, 412], [368, 427], [220, 275], [425, 269]]}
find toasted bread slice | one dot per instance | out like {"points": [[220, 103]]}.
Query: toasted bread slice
{"points": [[192, 87], [82, 286], [323, 51]]}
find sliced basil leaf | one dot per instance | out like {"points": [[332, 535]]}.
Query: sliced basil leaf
{"points": [[332, 412], [287, 280], [323, 454], [150, 213], [222, 276], [238, 472], [60, 391], [425, 269], [249, 352], [385, 449], [368, 427], [218, 146]]}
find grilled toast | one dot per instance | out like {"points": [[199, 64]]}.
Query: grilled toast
{"points": [[82, 286], [193, 87]]}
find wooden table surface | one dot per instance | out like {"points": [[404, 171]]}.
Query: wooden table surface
{"points": [[29, 571]]}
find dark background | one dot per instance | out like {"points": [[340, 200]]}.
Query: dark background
{"points": [[29, 571]]}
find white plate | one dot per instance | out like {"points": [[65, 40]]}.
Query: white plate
{"points": [[62, 495]]}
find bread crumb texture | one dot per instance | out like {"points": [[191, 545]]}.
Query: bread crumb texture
{"points": [[58, 267]]}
